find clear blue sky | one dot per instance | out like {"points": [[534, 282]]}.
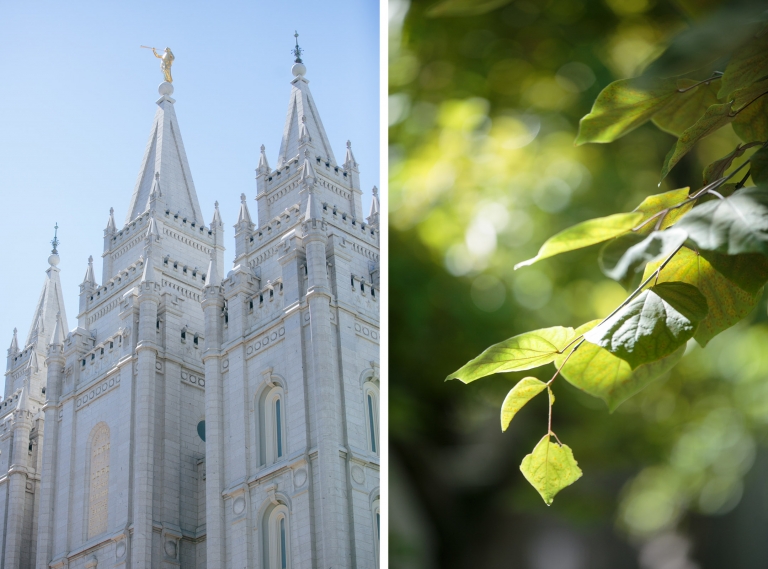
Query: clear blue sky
{"points": [[77, 100]]}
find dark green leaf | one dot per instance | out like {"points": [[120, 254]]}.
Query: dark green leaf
{"points": [[526, 351], [758, 165], [585, 234], [623, 106], [747, 64], [652, 325], [717, 169], [550, 468], [749, 271], [752, 123], [598, 372], [716, 116], [736, 224], [687, 107], [623, 267], [727, 302], [525, 390]]}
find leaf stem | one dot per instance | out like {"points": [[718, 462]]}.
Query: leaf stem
{"points": [[716, 75]]}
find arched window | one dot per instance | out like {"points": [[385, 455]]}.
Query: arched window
{"points": [[371, 403], [376, 528], [277, 538], [272, 425], [98, 490]]}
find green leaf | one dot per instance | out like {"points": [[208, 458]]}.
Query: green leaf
{"points": [[728, 303], [525, 390], [599, 373], [624, 266], [654, 204], [585, 234], [716, 116], [652, 325], [747, 64], [623, 106], [736, 224], [526, 351], [550, 468], [464, 7], [752, 123], [717, 169], [687, 107], [749, 271], [745, 96], [758, 164]]}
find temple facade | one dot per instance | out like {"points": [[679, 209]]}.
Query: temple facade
{"points": [[194, 418]]}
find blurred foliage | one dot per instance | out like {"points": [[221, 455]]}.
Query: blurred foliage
{"points": [[484, 109]]}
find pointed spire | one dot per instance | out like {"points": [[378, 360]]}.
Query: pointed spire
{"points": [[23, 403], [307, 176], [57, 337], [89, 278], [302, 105], [153, 234], [14, 349], [155, 192], [263, 167], [111, 227], [374, 203], [213, 278], [51, 300], [32, 365], [165, 154], [244, 216], [148, 276], [216, 221], [349, 161]]}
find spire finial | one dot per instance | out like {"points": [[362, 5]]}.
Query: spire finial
{"points": [[297, 51], [111, 211], [55, 241], [243, 198], [375, 191], [263, 148], [349, 144]]}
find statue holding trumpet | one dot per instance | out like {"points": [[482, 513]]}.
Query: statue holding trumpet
{"points": [[167, 60]]}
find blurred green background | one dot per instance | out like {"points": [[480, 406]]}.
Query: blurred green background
{"points": [[484, 104]]}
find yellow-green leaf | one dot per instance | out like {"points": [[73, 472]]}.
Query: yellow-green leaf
{"points": [[623, 106], [747, 64], [752, 123], [652, 205], [585, 234], [598, 372], [525, 390], [683, 110], [464, 7], [715, 117], [727, 302], [525, 351], [550, 468]]}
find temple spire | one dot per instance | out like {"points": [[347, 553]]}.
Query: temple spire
{"points": [[14, 343], [302, 105], [89, 278], [111, 227], [373, 217], [165, 156], [263, 167], [244, 216], [349, 161], [57, 337], [51, 300], [213, 278]]}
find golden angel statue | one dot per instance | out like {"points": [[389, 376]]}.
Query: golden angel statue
{"points": [[167, 60]]}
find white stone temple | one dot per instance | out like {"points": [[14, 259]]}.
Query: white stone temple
{"points": [[199, 420]]}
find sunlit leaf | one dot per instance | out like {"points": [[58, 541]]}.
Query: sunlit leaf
{"points": [[526, 351], [716, 116], [652, 325], [683, 110], [599, 373], [585, 234], [728, 303], [749, 271], [525, 390], [752, 123], [717, 169], [654, 204], [550, 468], [747, 64], [758, 165], [465, 7], [623, 106], [623, 266], [736, 224]]}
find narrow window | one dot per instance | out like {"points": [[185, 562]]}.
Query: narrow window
{"points": [[195, 339], [371, 424], [283, 556], [279, 429]]}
